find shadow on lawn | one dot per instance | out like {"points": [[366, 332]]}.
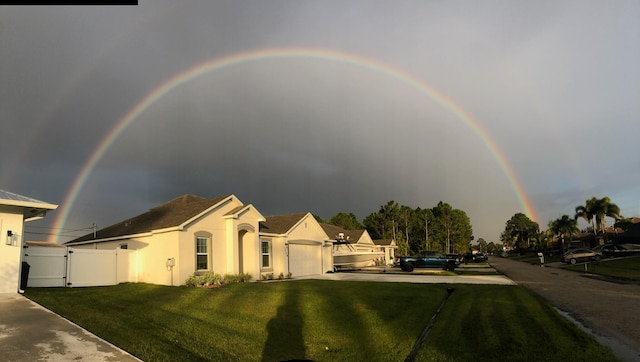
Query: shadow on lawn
{"points": [[284, 331]]}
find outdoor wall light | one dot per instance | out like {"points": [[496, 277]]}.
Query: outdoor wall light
{"points": [[9, 237]]}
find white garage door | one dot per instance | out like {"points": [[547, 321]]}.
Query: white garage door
{"points": [[305, 259]]}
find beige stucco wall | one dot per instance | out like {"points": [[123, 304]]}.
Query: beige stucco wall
{"points": [[10, 219]]}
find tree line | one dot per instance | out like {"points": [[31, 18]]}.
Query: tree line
{"points": [[441, 227], [521, 232]]}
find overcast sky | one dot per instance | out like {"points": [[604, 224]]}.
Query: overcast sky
{"points": [[554, 84]]}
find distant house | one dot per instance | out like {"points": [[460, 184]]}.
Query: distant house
{"points": [[191, 234], [361, 241], [389, 247], [15, 210]]}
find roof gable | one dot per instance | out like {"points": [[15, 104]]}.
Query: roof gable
{"points": [[332, 231], [281, 224], [170, 214]]}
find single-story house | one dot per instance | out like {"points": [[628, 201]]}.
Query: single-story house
{"points": [[15, 210], [388, 247], [191, 234], [362, 242]]}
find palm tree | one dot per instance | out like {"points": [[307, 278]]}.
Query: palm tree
{"points": [[605, 208], [565, 227], [587, 213]]}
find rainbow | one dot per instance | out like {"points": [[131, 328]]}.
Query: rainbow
{"points": [[253, 56]]}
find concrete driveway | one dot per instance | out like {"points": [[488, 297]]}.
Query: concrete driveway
{"points": [[29, 332], [395, 275]]}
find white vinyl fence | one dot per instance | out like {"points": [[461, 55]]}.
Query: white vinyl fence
{"points": [[68, 267]]}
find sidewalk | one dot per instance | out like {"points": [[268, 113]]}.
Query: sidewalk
{"points": [[29, 332]]}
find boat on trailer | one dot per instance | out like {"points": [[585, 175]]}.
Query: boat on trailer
{"points": [[346, 256]]}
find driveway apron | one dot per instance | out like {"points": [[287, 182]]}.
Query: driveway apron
{"points": [[29, 332]]}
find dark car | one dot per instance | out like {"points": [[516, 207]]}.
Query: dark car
{"points": [[575, 255], [480, 257], [426, 259], [476, 258], [613, 250]]}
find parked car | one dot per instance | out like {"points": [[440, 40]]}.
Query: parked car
{"points": [[476, 258], [480, 257], [575, 255], [427, 259], [614, 250]]}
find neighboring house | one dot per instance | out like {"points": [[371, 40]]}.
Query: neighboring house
{"points": [[389, 247], [361, 241], [15, 210], [191, 234], [299, 244]]}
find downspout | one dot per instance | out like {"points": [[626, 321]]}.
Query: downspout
{"points": [[286, 251], [322, 258]]}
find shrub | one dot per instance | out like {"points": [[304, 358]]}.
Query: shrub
{"points": [[208, 279]]}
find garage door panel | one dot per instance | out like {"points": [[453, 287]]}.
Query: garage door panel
{"points": [[305, 260]]}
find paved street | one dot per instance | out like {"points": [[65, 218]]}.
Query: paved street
{"points": [[608, 308]]}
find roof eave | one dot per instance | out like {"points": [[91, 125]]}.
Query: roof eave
{"points": [[27, 204], [114, 238]]}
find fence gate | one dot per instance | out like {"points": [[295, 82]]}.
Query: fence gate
{"points": [[91, 267], [68, 267], [48, 266]]}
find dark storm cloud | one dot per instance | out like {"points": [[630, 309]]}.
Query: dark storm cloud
{"points": [[555, 86]]}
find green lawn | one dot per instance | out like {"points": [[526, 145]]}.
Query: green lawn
{"points": [[323, 321], [625, 268]]}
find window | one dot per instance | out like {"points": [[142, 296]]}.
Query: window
{"points": [[202, 253], [265, 250]]}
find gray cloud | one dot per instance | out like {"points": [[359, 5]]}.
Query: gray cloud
{"points": [[555, 86]]}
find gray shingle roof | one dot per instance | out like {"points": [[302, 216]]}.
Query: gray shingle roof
{"points": [[383, 242], [170, 214], [333, 231], [280, 224]]}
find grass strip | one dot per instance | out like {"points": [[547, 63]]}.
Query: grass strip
{"points": [[624, 268]]}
